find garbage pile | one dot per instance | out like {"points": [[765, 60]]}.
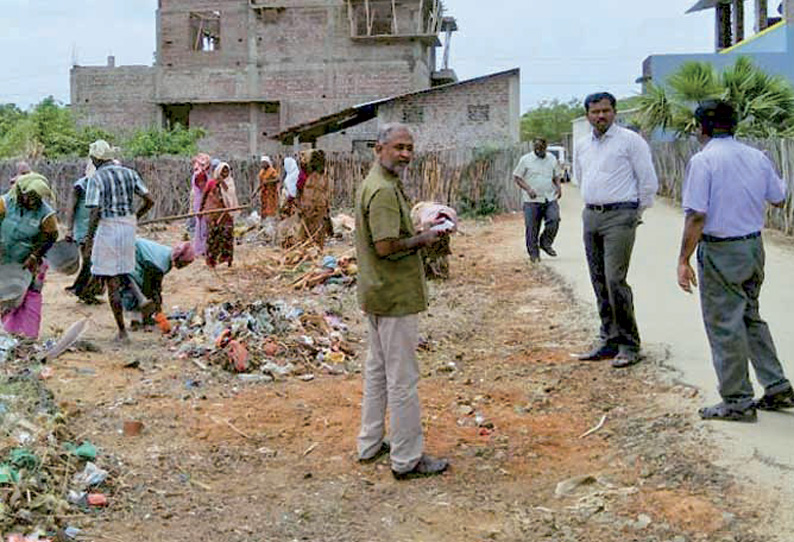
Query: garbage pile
{"points": [[272, 339], [46, 479], [340, 271]]}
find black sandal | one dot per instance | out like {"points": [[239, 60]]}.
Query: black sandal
{"points": [[729, 413]]}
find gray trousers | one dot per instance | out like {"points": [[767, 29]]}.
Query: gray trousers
{"points": [[608, 242], [534, 214], [731, 274], [391, 376]]}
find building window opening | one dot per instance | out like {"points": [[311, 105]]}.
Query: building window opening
{"points": [[479, 113], [176, 115], [413, 114], [205, 31]]}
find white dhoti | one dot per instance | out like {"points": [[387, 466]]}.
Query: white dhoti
{"points": [[114, 247]]}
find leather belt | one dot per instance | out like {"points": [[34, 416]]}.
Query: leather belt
{"points": [[713, 239], [613, 206]]}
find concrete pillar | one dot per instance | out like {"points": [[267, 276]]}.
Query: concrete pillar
{"points": [[722, 31], [761, 14], [788, 10], [253, 129], [738, 20]]}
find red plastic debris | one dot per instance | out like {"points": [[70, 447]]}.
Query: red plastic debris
{"points": [[238, 355], [97, 499]]}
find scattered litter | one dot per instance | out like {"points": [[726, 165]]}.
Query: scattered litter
{"points": [[90, 476], [567, 487], [43, 473], [598, 426], [85, 451], [71, 336], [97, 499], [132, 428], [269, 338]]}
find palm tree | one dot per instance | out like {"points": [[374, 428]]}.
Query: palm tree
{"points": [[763, 102]]}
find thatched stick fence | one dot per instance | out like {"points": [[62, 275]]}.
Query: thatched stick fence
{"points": [[671, 160], [467, 179]]}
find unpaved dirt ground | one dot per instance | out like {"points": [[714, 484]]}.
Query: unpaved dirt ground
{"points": [[220, 459]]}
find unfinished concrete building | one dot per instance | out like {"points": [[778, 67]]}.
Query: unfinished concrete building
{"points": [[245, 70]]}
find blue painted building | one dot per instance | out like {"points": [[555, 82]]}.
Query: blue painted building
{"points": [[771, 47]]}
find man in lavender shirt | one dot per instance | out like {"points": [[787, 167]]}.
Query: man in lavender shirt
{"points": [[725, 193]]}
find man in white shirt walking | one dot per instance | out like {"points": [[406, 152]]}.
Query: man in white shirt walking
{"points": [[725, 193], [618, 182], [537, 174]]}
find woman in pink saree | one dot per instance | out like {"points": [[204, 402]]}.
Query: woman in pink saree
{"points": [[201, 174]]}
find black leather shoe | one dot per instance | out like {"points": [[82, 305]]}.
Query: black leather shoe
{"points": [[384, 449], [601, 352], [729, 413], [427, 466], [626, 358], [776, 401], [550, 251]]}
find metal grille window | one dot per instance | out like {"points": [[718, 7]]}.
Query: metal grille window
{"points": [[479, 113], [413, 114]]}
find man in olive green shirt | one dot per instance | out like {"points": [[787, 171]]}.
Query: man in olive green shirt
{"points": [[392, 292]]}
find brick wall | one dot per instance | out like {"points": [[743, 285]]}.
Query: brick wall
{"points": [[299, 54], [446, 121], [114, 97], [228, 128]]}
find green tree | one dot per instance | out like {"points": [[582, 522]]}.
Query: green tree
{"points": [[764, 103], [177, 141], [551, 119]]}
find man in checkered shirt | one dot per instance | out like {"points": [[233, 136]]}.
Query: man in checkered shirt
{"points": [[110, 195]]}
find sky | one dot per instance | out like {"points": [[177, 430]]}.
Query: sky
{"points": [[564, 50]]}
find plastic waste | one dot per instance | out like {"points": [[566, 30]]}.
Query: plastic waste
{"points": [[90, 476], [238, 355], [22, 458], [96, 499], [85, 451], [7, 345], [162, 323], [329, 262], [77, 498], [8, 474]]}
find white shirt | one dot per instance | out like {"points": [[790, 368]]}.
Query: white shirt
{"points": [[616, 167], [539, 174], [730, 183]]}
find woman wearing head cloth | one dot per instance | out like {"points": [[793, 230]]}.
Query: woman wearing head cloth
{"points": [[201, 175], [220, 226], [28, 228], [314, 198], [268, 188], [291, 174], [152, 262]]}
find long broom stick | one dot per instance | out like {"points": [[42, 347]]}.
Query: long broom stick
{"points": [[190, 215]]}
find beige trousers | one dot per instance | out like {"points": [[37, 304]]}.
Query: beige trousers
{"points": [[391, 375]]}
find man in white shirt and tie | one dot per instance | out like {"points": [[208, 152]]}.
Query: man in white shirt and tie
{"points": [[618, 182], [537, 174]]}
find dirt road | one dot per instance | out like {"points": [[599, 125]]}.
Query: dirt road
{"points": [[542, 447], [670, 322]]}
